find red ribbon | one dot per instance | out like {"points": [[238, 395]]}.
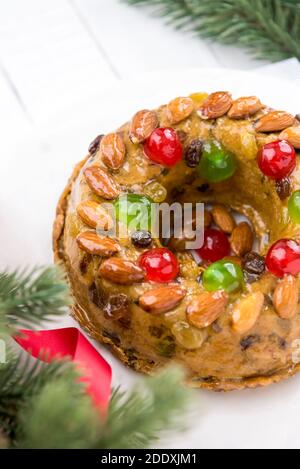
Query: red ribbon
{"points": [[70, 343]]}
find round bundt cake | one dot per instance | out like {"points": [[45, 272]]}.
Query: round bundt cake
{"points": [[227, 311]]}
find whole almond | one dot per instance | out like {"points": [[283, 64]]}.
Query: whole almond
{"points": [[96, 245], [206, 308], [292, 135], [274, 121], [286, 296], [179, 109], [93, 215], [142, 125], [100, 182], [242, 239], [120, 271], [113, 150], [246, 312], [216, 105], [223, 218], [244, 107], [163, 299]]}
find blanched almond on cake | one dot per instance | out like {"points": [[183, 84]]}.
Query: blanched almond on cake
{"points": [[206, 308], [274, 121], [100, 182], [113, 150], [223, 218], [216, 105], [286, 296], [163, 299], [246, 312], [292, 135], [120, 271], [179, 109], [142, 125], [242, 239], [96, 245], [93, 215], [245, 106]]}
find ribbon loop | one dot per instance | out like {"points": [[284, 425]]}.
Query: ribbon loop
{"points": [[70, 343]]}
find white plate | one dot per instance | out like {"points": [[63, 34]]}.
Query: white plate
{"points": [[34, 171]]}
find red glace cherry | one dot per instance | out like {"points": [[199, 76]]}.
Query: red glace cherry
{"points": [[164, 147], [284, 258], [160, 265], [216, 246], [277, 160]]}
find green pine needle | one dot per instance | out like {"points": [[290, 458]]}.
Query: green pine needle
{"points": [[45, 406], [270, 29], [28, 298], [21, 380], [156, 404], [61, 415]]}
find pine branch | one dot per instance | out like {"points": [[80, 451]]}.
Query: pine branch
{"points": [[270, 29], [60, 415], [45, 406], [20, 381], [28, 298], [157, 404]]}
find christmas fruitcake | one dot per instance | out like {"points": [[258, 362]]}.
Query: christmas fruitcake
{"points": [[228, 311]]}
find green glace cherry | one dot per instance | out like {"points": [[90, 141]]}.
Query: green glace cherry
{"points": [[223, 275], [217, 163], [294, 207], [134, 211]]}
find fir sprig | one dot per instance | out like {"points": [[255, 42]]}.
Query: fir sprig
{"points": [[21, 380], [270, 29], [45, 406], [136, 419], [60, 415], [29, 297]]}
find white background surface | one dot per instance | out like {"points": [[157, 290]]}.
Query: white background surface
{"points": [[53, 51], [61, 65]]}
